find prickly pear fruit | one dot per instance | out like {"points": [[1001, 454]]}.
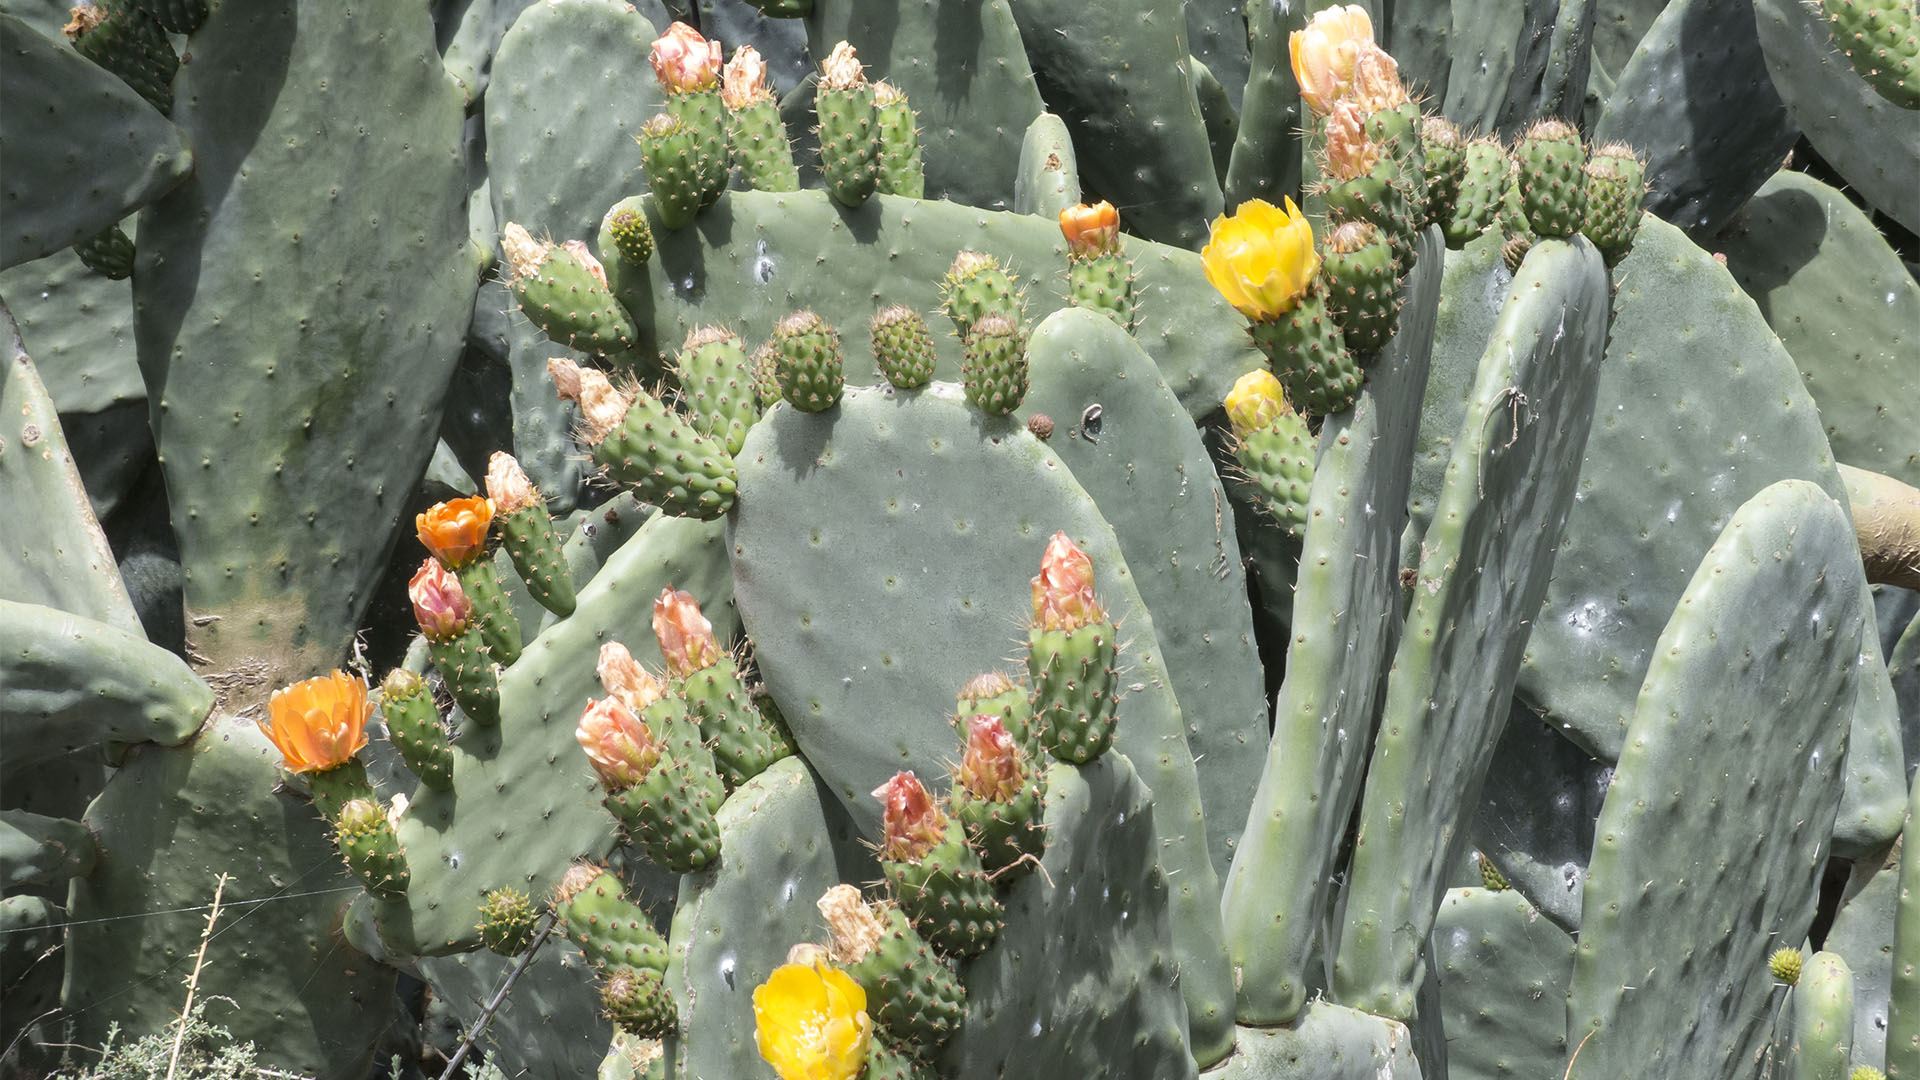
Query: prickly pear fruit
{"points": [[977, 286], [563, 291], [637, 1000], [1882, 40], [1443, 156], [671, 152], [610, 929], [526, 531], [896, 144], [997, 797], [1362, 285], [1273, 447], [632, 236], [507, 919], [994, 368], [936, 877], [371, 848], [911, 994], [903, 346], [1072, 650], [1553, 188], [1099, 277], [759, 139], [127, 42], [845, 106], [1482, 192], [716, 380], [1616, 187], [808, 363], [108, 253], [414, 728]]}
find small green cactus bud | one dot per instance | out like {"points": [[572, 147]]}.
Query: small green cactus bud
{"points": [[1490, 874], [903, 346], [371, 848], [994, 370], [108, 253], [1866, 1072], [1481, 192], [1553, 188], [807, 362], [1785, 965], [978, 286], [1444, 159], [507, 920], [637, 1000], [127, 42], [632, 236]]}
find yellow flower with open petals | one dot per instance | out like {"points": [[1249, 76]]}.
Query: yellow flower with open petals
{"points": [[1262, 258], [1324, 53], [811, 1023], [318, 724]]}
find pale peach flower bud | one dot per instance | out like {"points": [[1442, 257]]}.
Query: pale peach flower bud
{"points": [[1349, 152], [684, 61], [990, 768], [439, 604], [1063, 591], [686, 637], [913, 825], [745, 80], [618, 743], [624, 678], [842, 70], [525, 255], [507, 485]]}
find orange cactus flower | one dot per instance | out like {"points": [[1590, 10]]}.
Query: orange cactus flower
{"points": [[990, 767], [913, 824], [1063, 590], [811, 1023], [1261, 259], [455, 530], [1091, 230], [621, 747], [684, 61], [1325, 51], [440, 605], [686, 637], [318, 724]]}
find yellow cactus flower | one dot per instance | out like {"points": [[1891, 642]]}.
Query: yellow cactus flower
{"points": [[811, 1023], [1254, 401], [1262, 258], [1325, 51], [318, 724]]}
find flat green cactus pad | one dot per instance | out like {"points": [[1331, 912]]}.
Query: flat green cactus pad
{"points": [[1503, 973]]}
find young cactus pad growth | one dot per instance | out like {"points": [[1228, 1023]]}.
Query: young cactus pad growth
{"points": [[1098, 274], [808, 363], [1274, 448], [811, 1023], [1263, 261], [896, 144], [1072, 651], [563, 291], [994, 368], [911, 993], [446, 619], [936, 877], [414, 728], [526, 530], [759, 139], [456, 533], [903, 347], [845, 105], [688, 68]]}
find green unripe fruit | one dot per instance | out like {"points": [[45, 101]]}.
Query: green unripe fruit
{"points": [[1274, 448], [1519, 235], [507, 919], [1444, 159], [127, 42], [993, 694], [892, 1061], [975, 287], [745, 744], [371, 848], [632, 236], [638, 1002], [526, 531], [766, 375], [947, 895], [1481, 193], [1362, 286], [492, 613], [670, 150], [808, 363], [108, 253], [994, 369], [1785, 965], [670, 812], [1551, 173], [334, 788], [760, 147], [1076, 689], [611, 930], [467, 670], [414, 728], [1397, 131], [896, 145], [845, 106], [903, 346], [1103, 283], [716, 380], [1309, 356], [669, 463], [563, 290], [911, 993], [1616, 187], [1882, 41], [705, 118]]}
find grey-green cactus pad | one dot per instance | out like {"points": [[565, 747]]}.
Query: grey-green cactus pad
{"points": [[1535, 816], [882, 553], [784, 841], [78, 327], [1846, 309], [169, 823], [550, 1024], [1049, 177], [1503, 970], [83, 149], [1472, 293], [1084, 980], [1738, 741], [1345, 617], [537, 783], [40, 850], [755, 257], [1862, 933], [1142, 461], [1326, 1042], [1484, 564]]}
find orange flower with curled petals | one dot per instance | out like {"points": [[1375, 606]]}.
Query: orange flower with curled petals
{"points": [[910, 821], [811, 1023], [1261, 259], [1324, 53], [455, 530], [1091, 230], [686, 637], [1063, 591], [684, 61], [318, 724]]}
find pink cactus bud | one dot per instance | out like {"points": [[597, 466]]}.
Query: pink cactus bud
{"points": [[686, 637], [1063, 591], [439, 604], [990, 768], [507, 485], [913, 825], [744, 82], [618, 743], [624, 678], [685, 62], [578, 249], [1349, 152]]}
